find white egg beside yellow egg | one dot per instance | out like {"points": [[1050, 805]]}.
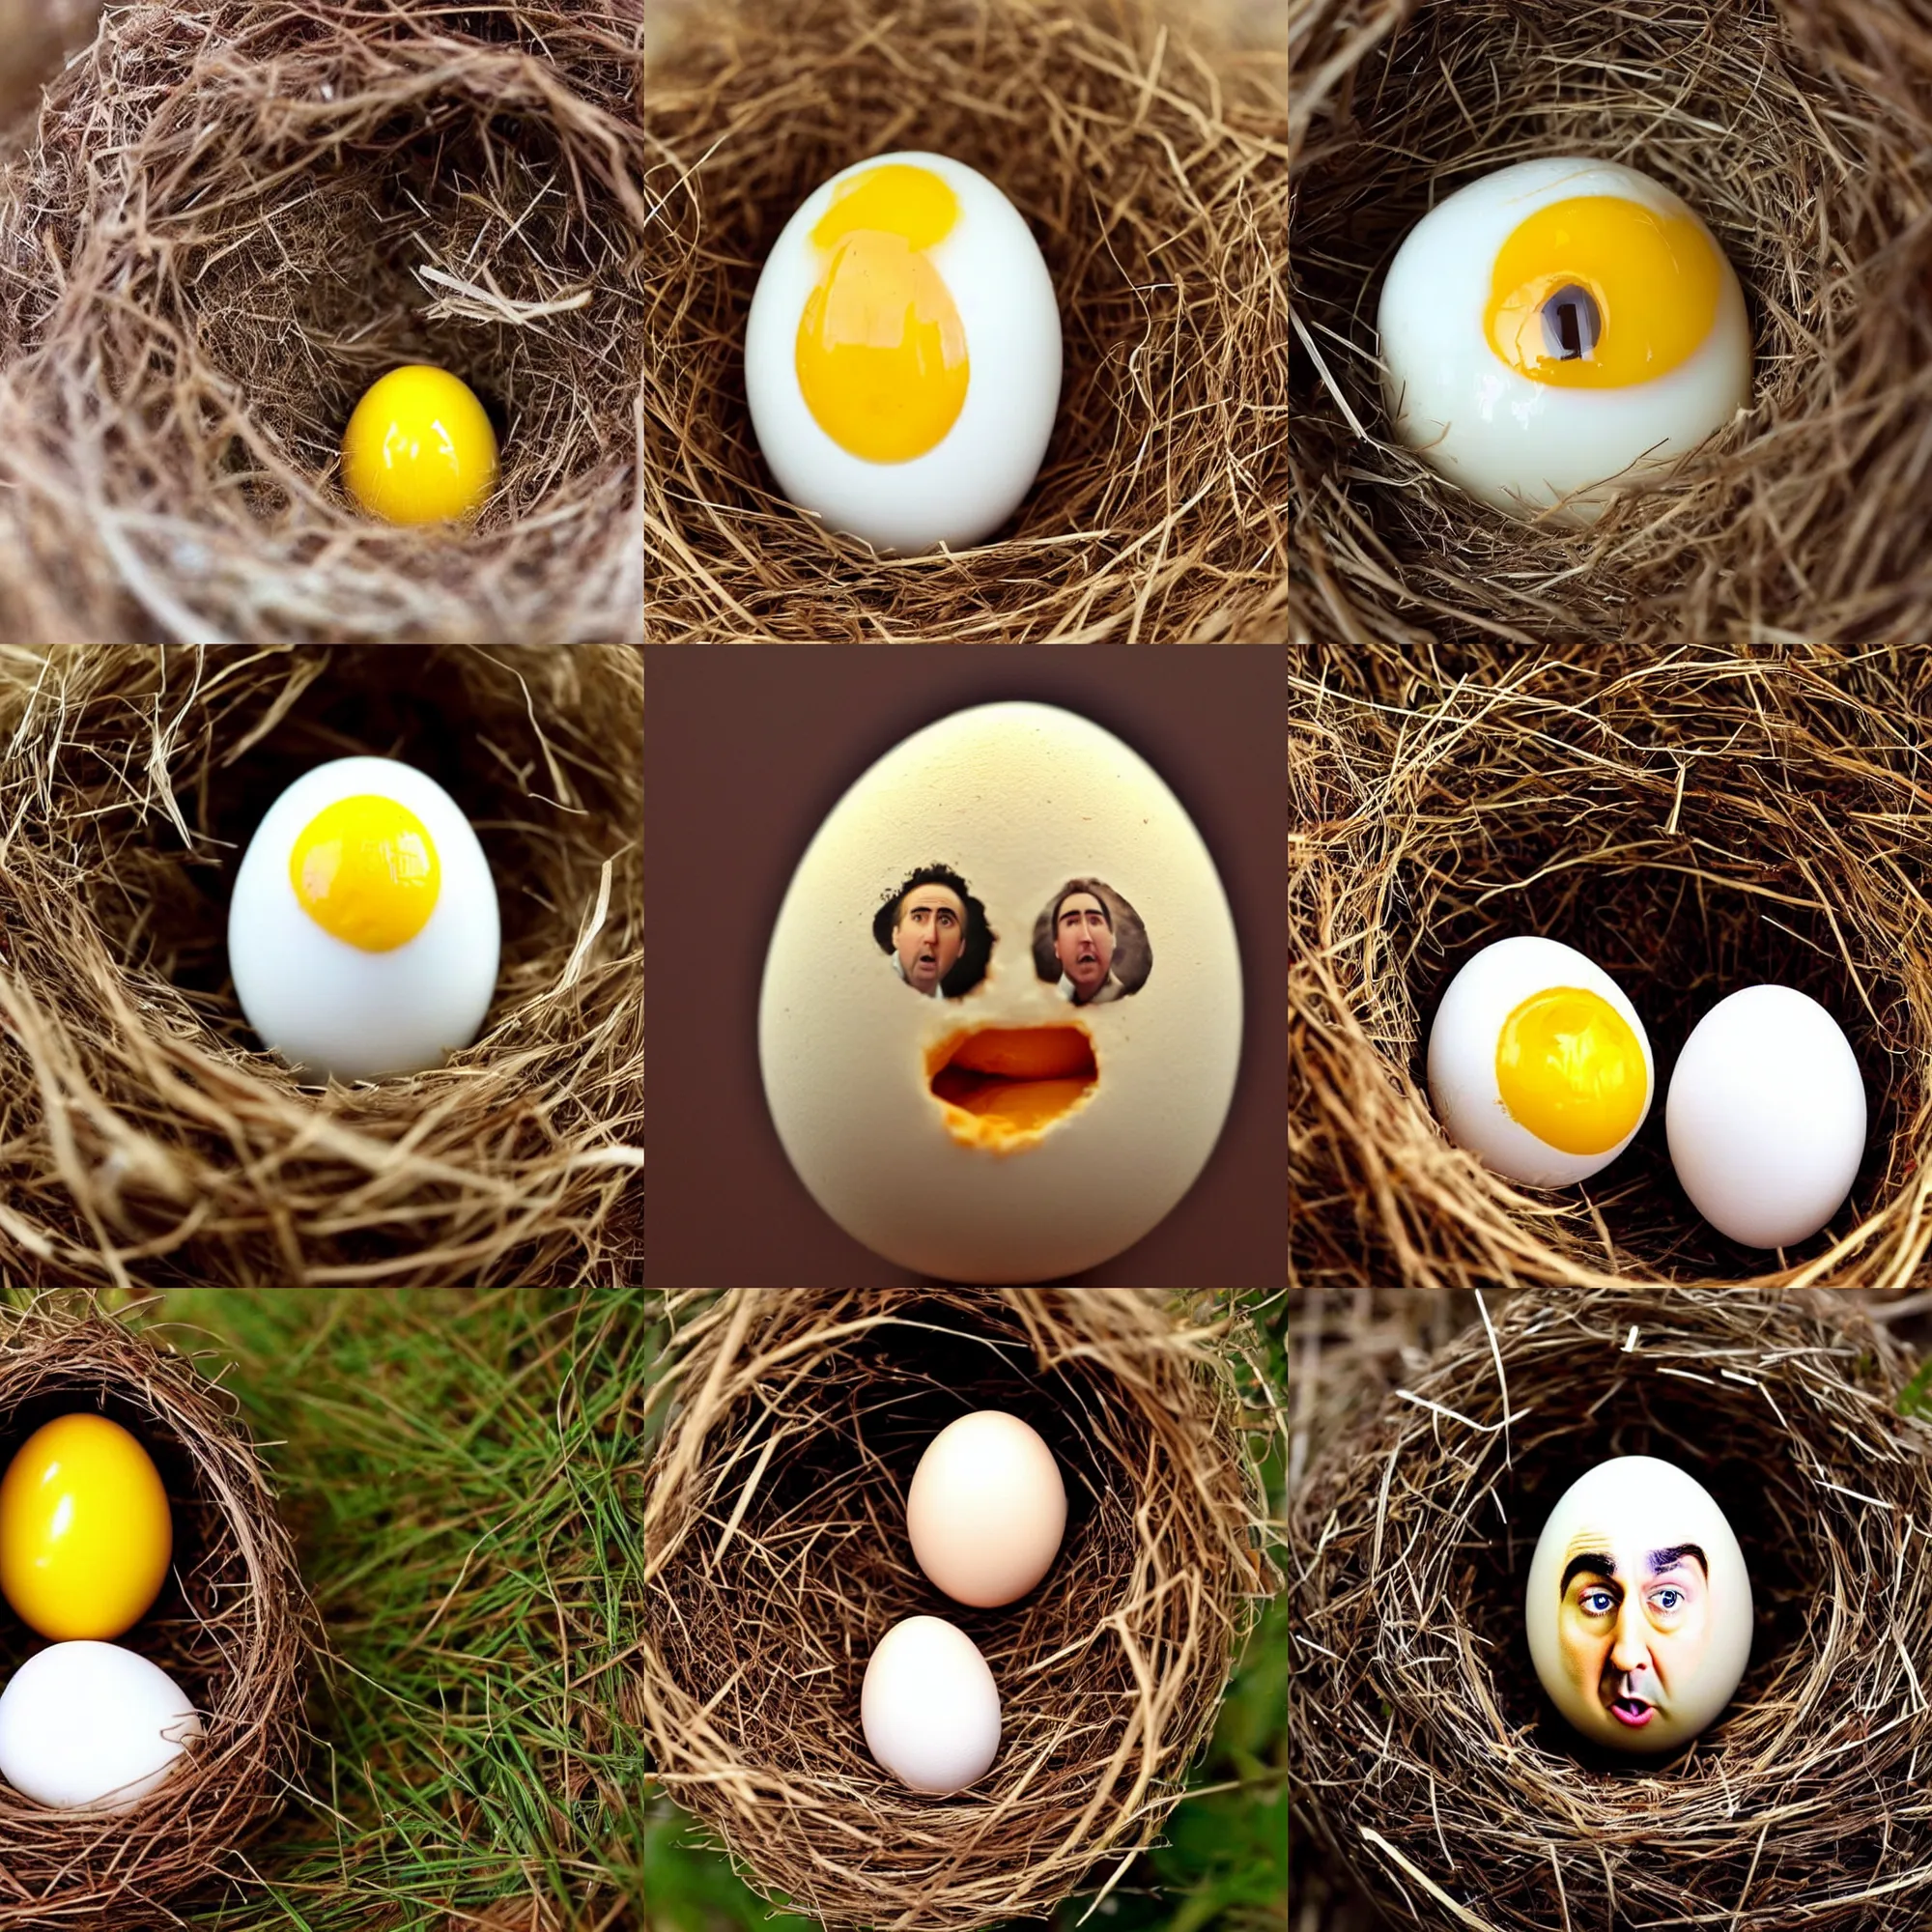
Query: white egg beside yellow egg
{"points": [[986, 1509], [1563, 325], [1051, 1175], [902, 354], [1537, 1064], [88, 1726], [363, 933], [930, 1707]]}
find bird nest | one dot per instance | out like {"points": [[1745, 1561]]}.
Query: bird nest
{"points": [[154, 1143], [1425, 1756], [1143, 151], [231, 219], [1798, 131], [232, 1627], [1694, 826], [775, 1559]]}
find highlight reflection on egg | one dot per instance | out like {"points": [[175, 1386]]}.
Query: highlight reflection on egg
{"points": [[902, 354], [1062, 1084], [1561, 325], [1537, 1064]]}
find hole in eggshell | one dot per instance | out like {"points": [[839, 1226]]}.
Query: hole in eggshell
{"points": [[1002, 1087]]}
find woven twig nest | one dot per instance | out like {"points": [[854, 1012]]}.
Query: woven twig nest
{"points": [[231, 1627], [1798, 131], [775, 1559], [232, 219], [1144, 152], [1424, 1751], [154, 1144], [1695, 826]]}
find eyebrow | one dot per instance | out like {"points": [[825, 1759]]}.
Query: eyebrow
{"points": [[1593, 1562], [1669, 1558]]}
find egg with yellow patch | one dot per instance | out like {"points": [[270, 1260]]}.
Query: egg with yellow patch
{"points": [[86, 1534], [1558, 331], [902, 355], [1538, 1062], [420, 448], [1001, 1013], [364, 933]]}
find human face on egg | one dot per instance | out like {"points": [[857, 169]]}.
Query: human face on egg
{"points": [[1632, 1620], [928, 935], [1557, 330], [1084, 941]]}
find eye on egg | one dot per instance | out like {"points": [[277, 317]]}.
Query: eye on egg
{"points": [[363, 933], [902, 355], [1557, 330], [1538, 1062]]}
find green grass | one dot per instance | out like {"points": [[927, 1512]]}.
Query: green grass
{"points": [[464, 1474]]}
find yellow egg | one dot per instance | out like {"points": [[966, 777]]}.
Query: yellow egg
{"points": [[420, 448], [85, 1533]]}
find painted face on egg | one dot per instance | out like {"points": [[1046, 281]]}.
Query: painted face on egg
{"points": [[1005, 1128], [1538, 1062], [902, 354], [1638, 1605], [1556, 327]]}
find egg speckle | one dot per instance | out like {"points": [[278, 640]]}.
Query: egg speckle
{"points": [[363, 933], [1011, 1132], [85, 1530], [88, 1726], [420, 448], [902, 355], [1766, 1117], [1562, 325], [930, 1707], [986, 1509], [1537, 1064]]}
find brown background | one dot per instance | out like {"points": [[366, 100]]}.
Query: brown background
{"points": [[746, 750]]}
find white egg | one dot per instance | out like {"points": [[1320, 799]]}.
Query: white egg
{"points": [[88, 1726], [363, 933], [902, 354], [986, 1509], [1021, 1129], [1766, 1117], [1537, 1064], [929, 1706], [1558, 325]]}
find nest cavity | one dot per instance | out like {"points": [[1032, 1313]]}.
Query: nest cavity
{"points": [[776, 1559], [1798, 131], [1695, 827], [1144, 152], [1426, 1754], [232, 1627], [230, 220], [154, 1144]]}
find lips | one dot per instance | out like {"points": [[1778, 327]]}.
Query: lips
{"points": [[1631, 1711], [1001, 1088]]}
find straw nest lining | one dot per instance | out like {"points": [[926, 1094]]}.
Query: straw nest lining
{"points": [[232, 1627], [234, 219], [1426, 1755], [154, 1143], [776, 1559], [1146, 156], [1798, 131], [1694, 826]]}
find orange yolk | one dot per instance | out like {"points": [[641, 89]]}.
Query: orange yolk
{"points": [[1001, 1087], [1570, 1070]]}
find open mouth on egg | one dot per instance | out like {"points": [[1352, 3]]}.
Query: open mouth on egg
{"points": [[1003, 1087], [1631, 1711]]}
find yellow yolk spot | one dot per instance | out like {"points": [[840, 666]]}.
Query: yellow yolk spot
{"points": [[420, 448], [85, 1531], [1001, 1087], [365, 869], [1569, 1070], [881, 350], [1599, 292]]}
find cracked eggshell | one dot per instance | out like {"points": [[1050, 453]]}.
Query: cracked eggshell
{"points": [[1019, 798]]}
